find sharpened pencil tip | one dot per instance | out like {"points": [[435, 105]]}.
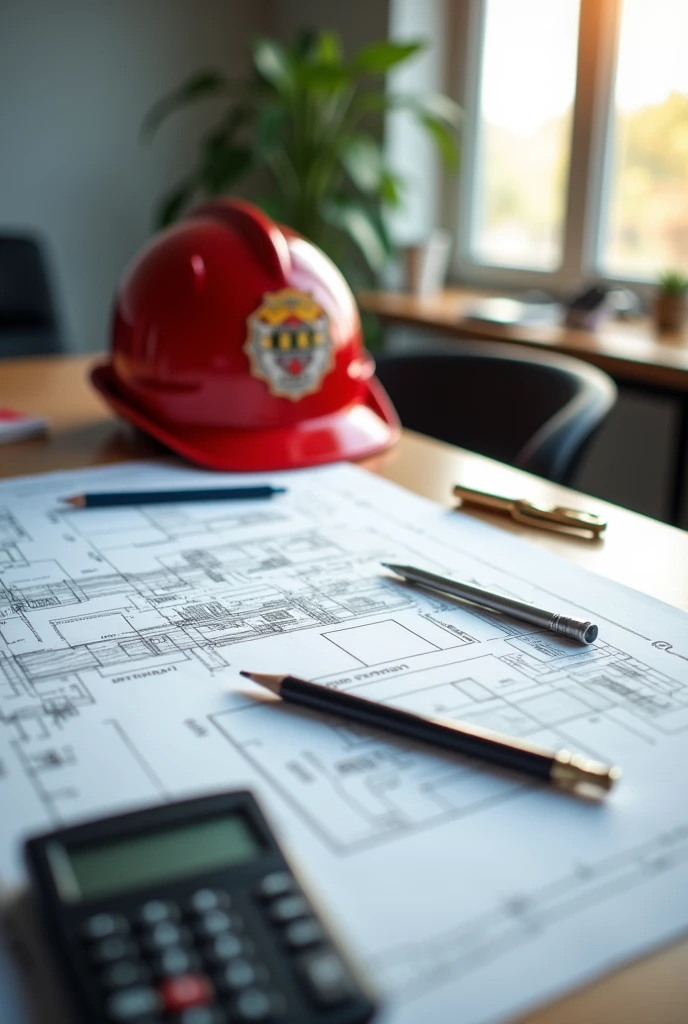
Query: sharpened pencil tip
{"points": [[270, 682], [76, 501]]}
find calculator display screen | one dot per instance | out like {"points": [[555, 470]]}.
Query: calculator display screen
{"points": [[102, 869]]}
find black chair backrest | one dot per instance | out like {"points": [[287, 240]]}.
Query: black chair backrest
{"points": [[530, 409], [28, 323]]}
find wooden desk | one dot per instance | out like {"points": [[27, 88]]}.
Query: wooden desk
{"points": [[638, 551], [634, 354]]}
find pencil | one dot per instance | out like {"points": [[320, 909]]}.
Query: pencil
{"points": [[560, 767], [573, 629], [109, 500]]}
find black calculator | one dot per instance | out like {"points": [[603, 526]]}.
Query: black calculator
{"points": [[189, 913]]}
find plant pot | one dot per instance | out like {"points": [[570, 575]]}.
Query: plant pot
{"points": [[670, 310], [425, 264]]}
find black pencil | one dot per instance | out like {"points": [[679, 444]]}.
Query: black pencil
{"points": [[570, 771], [108, 500]]}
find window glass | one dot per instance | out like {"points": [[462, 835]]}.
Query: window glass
{"points": [[647, 214], [524, 136]]}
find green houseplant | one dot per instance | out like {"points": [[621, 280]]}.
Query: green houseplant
{"points": [[306, 125], [670, 301]]}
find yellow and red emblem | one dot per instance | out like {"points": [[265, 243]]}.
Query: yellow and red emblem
{"points": [[289, 344]]}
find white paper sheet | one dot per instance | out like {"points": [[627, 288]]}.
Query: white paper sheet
{"points": [[470, 894]]}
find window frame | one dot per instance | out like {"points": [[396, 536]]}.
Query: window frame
{"points": [[588, 183]]}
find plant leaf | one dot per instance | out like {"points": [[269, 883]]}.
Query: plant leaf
{"points": [[445, 139], [328, 49], [391, 188], [357, 222], [270, 123], [326, 77], [362, 160], [174, 202], [223, 165], [437, 106], [199, 86], [273, 65], [378, 58], [275, 207], [304, 44]]}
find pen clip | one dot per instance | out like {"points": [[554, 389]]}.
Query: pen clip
{"points": [[558, 518], [483, 499]]}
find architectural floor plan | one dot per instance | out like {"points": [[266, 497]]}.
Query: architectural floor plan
{"points": [[122, 633]]}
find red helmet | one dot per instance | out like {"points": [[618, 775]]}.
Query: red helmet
{"points": [[237, 343]]}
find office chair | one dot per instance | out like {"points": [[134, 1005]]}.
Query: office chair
{"points": [[533, 410], [28, 321]]}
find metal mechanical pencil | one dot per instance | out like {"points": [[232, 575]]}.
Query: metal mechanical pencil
{"points": [[574, 629]]}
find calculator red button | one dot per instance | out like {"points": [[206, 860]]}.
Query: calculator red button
{"points": [[184, 991]]}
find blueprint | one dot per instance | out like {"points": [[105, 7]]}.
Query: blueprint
{"points": [[122, 634]]}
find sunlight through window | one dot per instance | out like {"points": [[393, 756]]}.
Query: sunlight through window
{"points": [[524, 138], [647, 215]]}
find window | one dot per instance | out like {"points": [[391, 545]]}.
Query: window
{"points": [[523, 140], [576, 149], [646, 226]]}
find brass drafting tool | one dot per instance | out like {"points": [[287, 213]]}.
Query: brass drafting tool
{"points": [[558, 518]]}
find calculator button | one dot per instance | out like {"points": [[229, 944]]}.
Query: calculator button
{"points": [[200, 1015], [239, 973], [277, 883], [326, 977], [289, 908], [175, 960], [132, 1003], [185, 991], [102, 926], [156, 911], [215, 922], [300, 934], [205, 900], [123, 974], [115, 948], [226, 947], [256, 1005], [165, 934]]}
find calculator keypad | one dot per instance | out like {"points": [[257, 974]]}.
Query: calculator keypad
{"points": [[132, 1003], [176, 961], [197, 961], [205, 900], [323, 974], [103, 926], [158, 912]]}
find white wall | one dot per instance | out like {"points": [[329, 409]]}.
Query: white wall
{"points": [[76, 78], [409, 148]]}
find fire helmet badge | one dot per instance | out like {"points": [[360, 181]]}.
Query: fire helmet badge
{"points": [[289, 344]]}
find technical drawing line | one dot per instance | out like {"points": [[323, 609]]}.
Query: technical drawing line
{"points": [[41, 792], [451, 953], [145, 766]]}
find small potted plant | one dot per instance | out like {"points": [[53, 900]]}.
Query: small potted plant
{"points": [[670, 301]]}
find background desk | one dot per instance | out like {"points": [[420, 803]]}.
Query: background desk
{"points": [[632, 353], [637, 551]]}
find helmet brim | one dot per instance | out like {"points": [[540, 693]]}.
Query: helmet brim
{"points": [[351, 433]]}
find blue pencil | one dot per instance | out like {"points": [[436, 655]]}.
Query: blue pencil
{"points": [[109, 500]]}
